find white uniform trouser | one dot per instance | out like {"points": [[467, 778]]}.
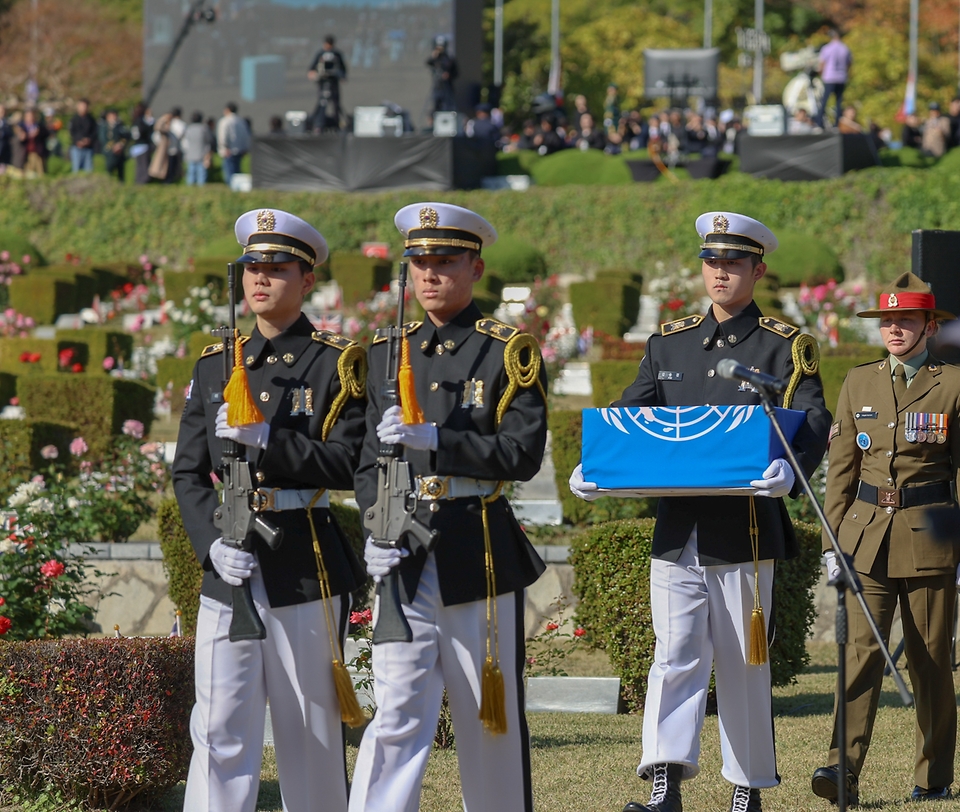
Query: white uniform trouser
{"points": [[701, 617], [448, 648], [292, 667]]}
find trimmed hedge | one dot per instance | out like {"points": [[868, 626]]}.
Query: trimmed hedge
{"points": [[802, 257], [513, 259], [611, 577], [12, 347], [19, 247], [84, 282], [96, 405], [610, 378], [177, 284], [835, 363], [110, 276], [103, 722], [20, 444], [591, 167], [608, 305], [565, 437], [8, 387], [358, 276], [184, 572], [98, 343], [177, 371], [42, 298]]}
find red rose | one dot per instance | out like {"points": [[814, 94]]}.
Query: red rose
{"points": [[24, 358], [5, 624], [552, 627], [52, 569], [78, 367], [128, 287], [65, 356], [34, 358], [579, 631], [2, 601]]}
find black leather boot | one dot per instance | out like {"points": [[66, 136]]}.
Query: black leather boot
{"points": [[745, 799], [826, 784], [665, 795]]}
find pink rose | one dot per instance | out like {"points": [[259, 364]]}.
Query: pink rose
{"points": [[52, 569], [26, 259], [49, 452], [4, 256], [78, 447], [133, 428], [109, 363]]}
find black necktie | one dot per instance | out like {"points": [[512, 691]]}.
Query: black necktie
{"points": [[900, 383]]}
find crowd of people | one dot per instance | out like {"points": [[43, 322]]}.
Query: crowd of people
{"points": [[163, 149]]}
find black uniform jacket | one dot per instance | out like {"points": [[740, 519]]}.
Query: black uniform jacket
{"points": [[679, 369], [445, 361], [295, 457]]}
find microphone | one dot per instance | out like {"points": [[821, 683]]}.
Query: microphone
{"points": [[730, 369]]}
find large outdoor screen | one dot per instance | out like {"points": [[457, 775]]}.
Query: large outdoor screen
{"points": [[257, 52]]}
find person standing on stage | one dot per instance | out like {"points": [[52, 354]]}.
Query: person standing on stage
{"points": [[706, 573], [482, 389], [327, 69], [443, 69], [309, 387], [894, 452]]}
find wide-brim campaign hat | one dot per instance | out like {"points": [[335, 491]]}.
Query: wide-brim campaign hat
{"points": [[272, 236], [907, 292], [728, 235], [442, 229]]}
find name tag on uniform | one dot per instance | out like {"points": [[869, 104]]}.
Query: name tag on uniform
{"points": [[667, 375], [866, 415]]}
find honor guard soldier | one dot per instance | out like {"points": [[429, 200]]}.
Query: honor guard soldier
{"points": [[707, 572], [482, 389], [894, 454], [309, 387]]}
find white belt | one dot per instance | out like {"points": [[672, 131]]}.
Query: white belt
{"points": [[431, 488], [277, 499]]}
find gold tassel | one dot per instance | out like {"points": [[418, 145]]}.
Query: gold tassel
{"points": [[350, 711], [758, 628], [412, 413], [243, 410], [493, 705]]}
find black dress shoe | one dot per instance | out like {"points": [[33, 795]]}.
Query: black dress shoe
{"points": [[826, 784], [931, 794], [745, 799], [665, 795]]}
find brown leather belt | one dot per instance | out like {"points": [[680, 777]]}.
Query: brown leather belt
{"points": [[934, 493]]}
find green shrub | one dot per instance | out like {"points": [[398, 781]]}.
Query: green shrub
{"points": [[103, 722], [835, 363], [607, 305], [20, 444], [359, 277], [611, 577], [911, 157], [585, 167], [13, 347], [110, 276], [42, 298], [98, 343], [565, 436], [8, 387], [225, 249], [177, 284], [512, 259], [490, 285], [96, 405], [516, 163], [84, 282], [803, 257], [620, 275], [184, 572], [176, 371], [19, 247], [610, 378]]}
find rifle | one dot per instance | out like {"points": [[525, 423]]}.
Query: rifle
{"points": [[393, 519], [236, 517]]}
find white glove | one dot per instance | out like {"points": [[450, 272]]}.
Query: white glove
{"points": [[392, 431], [777, 480], [380, 560], [581, 489], [830, 562], [234, 565], [255, 435]]}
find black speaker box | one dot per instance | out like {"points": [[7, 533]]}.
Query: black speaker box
{"points": [[936, 260]]}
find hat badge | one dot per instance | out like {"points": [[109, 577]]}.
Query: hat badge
{"points": [[720, 224], [892, 300], [429, 218], [266, 220]]}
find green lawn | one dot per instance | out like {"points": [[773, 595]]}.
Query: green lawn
{"points": [[585, 763]]}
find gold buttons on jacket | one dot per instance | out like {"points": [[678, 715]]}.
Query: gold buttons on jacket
{"points": [[288, 357], [249, 360], [891, 425], [720, 342], [264, 396], [261, 476], [439, 349], [732, 339], [888, 509], [434, 386], [711, 373], [272, 359]]}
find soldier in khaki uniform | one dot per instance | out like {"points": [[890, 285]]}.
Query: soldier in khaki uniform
{"points": [[894, 452]]}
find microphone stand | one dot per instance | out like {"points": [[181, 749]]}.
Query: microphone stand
{"points": [[846, 579]]}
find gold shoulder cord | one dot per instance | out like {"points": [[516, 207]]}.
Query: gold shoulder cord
{"points": [[806, 361], [520, 375], [352, 368]]}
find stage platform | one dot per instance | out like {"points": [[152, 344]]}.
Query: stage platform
{"points": [[347, 163], [805, 157]]}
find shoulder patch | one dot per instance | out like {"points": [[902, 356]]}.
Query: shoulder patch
{"points": [[412, 327], [679, 325], [781, 328], [383, 333], [333, 339], [497, 329], [213, 349]]}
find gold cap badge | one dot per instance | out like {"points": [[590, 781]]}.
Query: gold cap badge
{"points": [[720, 224], [266, 220], [892, 300], [429, 218]]}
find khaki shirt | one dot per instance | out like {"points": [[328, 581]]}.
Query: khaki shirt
{"points": [[867, 408]]}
